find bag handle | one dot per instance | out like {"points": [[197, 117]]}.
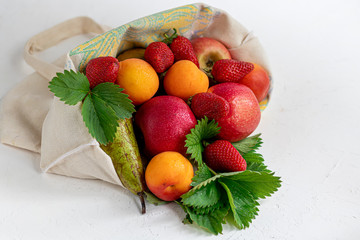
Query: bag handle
{"points": [[53, 36]]}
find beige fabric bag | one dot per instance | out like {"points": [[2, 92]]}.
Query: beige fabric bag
{"points": [[33, 119], [25, 107]]}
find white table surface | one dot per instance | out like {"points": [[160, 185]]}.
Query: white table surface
{"points": [[310, 129]]}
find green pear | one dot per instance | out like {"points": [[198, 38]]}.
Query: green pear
{"points": [[125, 155]]}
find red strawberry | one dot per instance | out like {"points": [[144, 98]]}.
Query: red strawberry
{"points": [[209, 104], [159, 55], [102, 69], [222, 156], [183, 50], [230, 70]]}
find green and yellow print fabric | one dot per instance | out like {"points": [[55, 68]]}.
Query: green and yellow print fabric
{"points": [[190, 20], [143, 31]]}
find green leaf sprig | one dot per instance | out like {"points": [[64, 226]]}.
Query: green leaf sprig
{"points": [[219, 198], [102, 106], [202, 131]]}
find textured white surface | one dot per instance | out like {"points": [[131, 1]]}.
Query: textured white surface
{"points": [[310, 129]]}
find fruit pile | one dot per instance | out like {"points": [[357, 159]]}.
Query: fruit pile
{"points": [[193, 107]]}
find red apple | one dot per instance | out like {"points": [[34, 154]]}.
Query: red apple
{"points": [[208, 51], [165, 121], [258, 81], [244, 115]]}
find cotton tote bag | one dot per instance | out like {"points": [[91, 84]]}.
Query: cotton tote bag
{"points": [[33, 119]]}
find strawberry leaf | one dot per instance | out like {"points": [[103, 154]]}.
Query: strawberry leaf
{"points": [[239, 190], [151, 198], [194, 140], [102, 106], [242, 204], [201, 175], [253, 157], [248, 144], [255, 162], [259, 184], [205, 193], [206, 210], [213, 194], [206, 182], [100, 119], [70, 87], [211, 222], [116, 100], [205, 196]]}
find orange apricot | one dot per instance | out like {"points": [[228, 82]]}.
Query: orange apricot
{"points": [[184, 79], [169, 175], [138, 79]]}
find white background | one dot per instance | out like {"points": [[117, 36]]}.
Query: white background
{"points": [[310, 129]]}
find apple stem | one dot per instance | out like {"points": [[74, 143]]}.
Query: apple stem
{"points": [[207, 71], [142, 201]]}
